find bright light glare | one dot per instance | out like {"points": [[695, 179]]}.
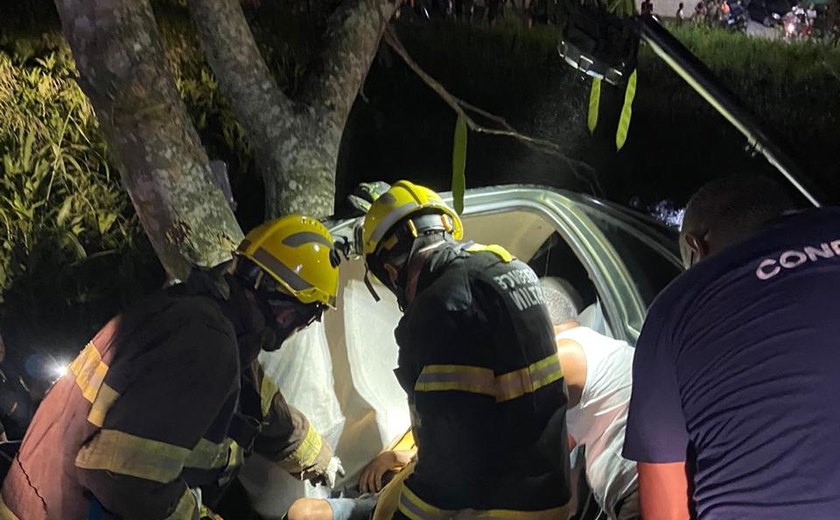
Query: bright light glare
{"points": [[60, 369]]}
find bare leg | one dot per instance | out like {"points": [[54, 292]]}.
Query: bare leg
{"points": [[310, 509]]}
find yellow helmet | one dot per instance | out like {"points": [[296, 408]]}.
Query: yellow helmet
{"points": [[299, 254], [401, 201]]}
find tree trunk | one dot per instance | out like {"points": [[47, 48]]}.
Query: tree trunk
{"points": [[124, 73], [295, 143]]}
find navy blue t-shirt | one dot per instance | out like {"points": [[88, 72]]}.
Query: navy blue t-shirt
{"points": [[739, 359]]}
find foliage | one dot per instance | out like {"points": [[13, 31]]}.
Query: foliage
{"points": [[459, 164], [62, 210]]}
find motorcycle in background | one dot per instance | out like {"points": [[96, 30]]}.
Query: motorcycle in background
{"points": [[796, 26]]}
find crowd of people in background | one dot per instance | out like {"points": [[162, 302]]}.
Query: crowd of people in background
{"points": [[802, 21], [482, 11]]}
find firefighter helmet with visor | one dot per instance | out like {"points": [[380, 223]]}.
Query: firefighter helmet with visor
{"points": [[393, 222], [295, 255], [396, 207]]}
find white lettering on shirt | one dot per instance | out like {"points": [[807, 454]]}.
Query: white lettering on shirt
{"points": [[763, 274], [787, 263], [791, 259]]}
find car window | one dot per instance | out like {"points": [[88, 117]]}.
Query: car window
{"points": [[647, 256]]}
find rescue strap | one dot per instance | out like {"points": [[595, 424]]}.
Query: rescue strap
{"points": [[481, 380]]}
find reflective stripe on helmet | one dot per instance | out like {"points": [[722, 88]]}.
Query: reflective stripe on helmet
{"points": [[278, 268], [306, 237], [390, 220]]}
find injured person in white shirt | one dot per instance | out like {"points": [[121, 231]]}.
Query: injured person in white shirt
{"points": [[598, 373]]}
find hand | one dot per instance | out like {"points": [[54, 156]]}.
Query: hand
{"points": [[371, 479]]}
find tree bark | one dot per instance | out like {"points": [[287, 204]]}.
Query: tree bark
{"points": [[124, 73], [296, 142]]}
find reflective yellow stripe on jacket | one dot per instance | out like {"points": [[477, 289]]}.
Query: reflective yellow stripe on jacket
{"points": [[461, 378], [209, 455], [529, 379], [309, 449], [415, 508], [126, 454], [187, 508], [479, 380], [89, 371]]}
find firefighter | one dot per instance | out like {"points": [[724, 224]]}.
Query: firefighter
{"points": [[478, 362], [161, 407]]}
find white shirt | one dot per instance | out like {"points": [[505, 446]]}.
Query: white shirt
{"points": [[599, 420]]}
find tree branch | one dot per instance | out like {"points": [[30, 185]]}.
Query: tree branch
{"points": [[238, 66], [580, 169], [354, 31]]}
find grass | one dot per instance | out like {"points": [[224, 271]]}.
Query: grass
{"points": [[791, 85]]}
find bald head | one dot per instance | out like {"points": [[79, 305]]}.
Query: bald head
{"points": [[562, 300], [728, 210]]}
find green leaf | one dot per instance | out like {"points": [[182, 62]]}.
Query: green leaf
{"points": [[594, 103], [26, 161], [459, 164], [106, 221], [64, 211], [73, 243], [626, 112], [8, 164]]}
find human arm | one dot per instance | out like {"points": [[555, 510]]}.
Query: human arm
{"points": [[388, 460], [153, 411], [656, 435], [663, 491], [288, 438]]}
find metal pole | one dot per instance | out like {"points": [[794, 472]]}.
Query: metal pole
{"points": [[703, 80]]}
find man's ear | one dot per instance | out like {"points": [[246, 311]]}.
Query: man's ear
{"points": [[697, 244]]}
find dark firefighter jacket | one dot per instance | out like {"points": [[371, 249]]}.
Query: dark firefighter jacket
{"points": [[154, 405], [478, 361]]}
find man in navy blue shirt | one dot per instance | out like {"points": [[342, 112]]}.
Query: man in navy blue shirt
{"points": [[736, 376]]}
